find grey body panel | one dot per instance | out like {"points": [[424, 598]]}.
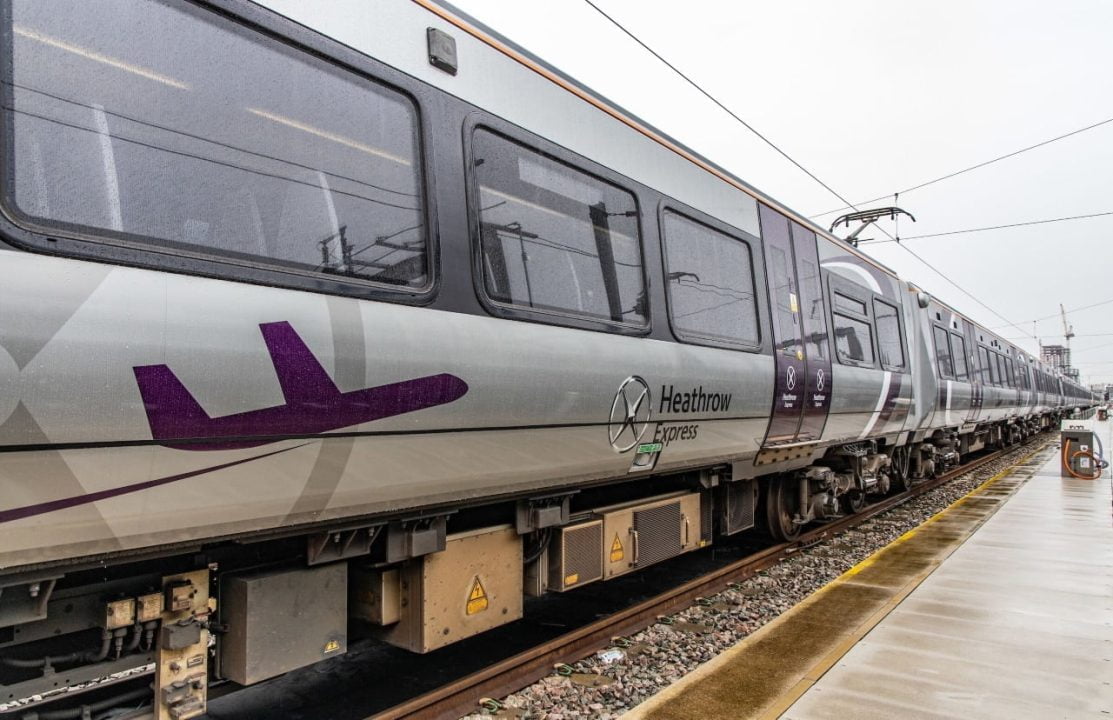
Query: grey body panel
{"points": [[526, 421], [82, 475]]}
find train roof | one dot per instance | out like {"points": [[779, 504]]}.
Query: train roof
{"points": [[470, 24]]}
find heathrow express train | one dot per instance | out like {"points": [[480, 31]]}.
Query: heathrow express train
{"points": [[320, 318]]}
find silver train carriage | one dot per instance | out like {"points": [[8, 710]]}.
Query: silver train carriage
{"points": [[376, 314]]}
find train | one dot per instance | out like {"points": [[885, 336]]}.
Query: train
{"points": [[324, 319]]}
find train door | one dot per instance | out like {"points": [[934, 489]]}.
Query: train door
{"points": [[802, 389], [973, 370], [817, 351]]}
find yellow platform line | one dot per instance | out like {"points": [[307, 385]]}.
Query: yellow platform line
{"points": [[762, 676]]}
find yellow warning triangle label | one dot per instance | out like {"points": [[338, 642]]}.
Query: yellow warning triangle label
{"points": [[617, 553], [477, 598]]}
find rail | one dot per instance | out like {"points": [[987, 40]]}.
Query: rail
{"points": [[460, 697]]}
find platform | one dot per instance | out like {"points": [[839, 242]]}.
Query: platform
{"points": [[1001, 606]]}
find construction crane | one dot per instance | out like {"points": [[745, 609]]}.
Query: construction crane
{"points": [[1068, 333]]}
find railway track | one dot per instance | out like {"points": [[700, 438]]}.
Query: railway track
{"points": [[462, 696]]}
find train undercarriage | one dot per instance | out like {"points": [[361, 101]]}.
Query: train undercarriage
{"points": [[74, 640]]}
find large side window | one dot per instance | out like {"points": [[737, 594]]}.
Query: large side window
{"points": [[984, 367], [852, 328], [554, 238], [164, 127], [710, 283], [943, 352], [888, 335], [958, 348], [994, 369]]}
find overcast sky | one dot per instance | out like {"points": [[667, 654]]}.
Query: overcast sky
{"points": [[875, 97]]}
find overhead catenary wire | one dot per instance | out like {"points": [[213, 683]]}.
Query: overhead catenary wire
{"points": [[1056, 315], [773, 145], [1077, 335], [959, 287], [956, 173], [721, 106], [992, 227]]}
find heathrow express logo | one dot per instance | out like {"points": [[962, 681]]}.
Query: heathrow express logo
{"points": [[631, 413]]}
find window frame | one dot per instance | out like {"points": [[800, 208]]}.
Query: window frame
{"points": [[936, 330], [986, 355], [903, 366], [758, 279], [510, 133], [133, 250], [853, 291], [965, 359]]}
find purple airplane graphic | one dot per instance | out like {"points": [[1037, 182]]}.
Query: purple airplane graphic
{"points": [[313, 405]]}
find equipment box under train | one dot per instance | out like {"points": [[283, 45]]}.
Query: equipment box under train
{"points": [[474, 585], [281, 620], [637, 535]]}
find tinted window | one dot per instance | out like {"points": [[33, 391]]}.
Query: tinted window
{"points": [[1011, 371], [943, 352], [994, 370], [555, 238], [842, 302], [710, 282], [983, 361], [853, 340], [888, 335], [782, 288], [164, 126], [1002, 378], [958, 354], [811, 299]]}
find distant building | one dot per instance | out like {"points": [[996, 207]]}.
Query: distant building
{"points": [[1058, 357]]}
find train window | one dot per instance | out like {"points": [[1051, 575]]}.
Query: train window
{"points": [[1002, 378], [983, 365], [888, 335], [812, 310], [554, 238], [1012, 372], [943, 352], [853, 340], [163, 127], [994, 369], [782, 289], [958, 348], [842, 302], [710, 283]]}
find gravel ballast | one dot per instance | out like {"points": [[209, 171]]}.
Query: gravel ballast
{"points": [[607, 684]]}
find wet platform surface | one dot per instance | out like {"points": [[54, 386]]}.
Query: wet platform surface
{"points": [[1001, 606]]}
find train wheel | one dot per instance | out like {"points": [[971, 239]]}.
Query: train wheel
{"points": [[900, 468], [781, 506], [853, 501]]}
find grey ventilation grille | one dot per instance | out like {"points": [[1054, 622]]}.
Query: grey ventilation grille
{"points": [[658, 533]]}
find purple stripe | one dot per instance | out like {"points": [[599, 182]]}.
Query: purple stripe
{"points": [[887, 410], [41, 508]]}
